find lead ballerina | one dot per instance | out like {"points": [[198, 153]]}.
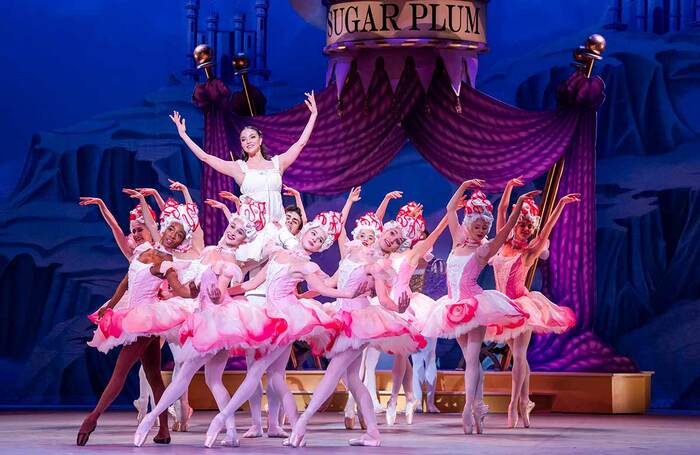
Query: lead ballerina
{"points": [[468, 310], [511, 266]]}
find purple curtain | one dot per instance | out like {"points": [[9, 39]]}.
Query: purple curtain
{"points": [[357, 136]]}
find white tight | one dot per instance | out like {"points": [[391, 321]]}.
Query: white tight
{"points": [[345, 365], [401, 375], [520, 391], [274, 362], [425, 370], [473, 373], [368, 374], [214, 365]]}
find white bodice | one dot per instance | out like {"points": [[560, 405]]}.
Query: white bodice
{"points": [[264, 185]]}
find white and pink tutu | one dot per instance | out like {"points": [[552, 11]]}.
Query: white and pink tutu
{"points": [[365, 324], [306, 319], [467, 305], [233, 324], [544, 315], [144, 314], [421, 305]]}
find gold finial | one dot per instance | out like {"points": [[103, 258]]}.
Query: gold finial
{"points": [[587, 54], [204, 59]]}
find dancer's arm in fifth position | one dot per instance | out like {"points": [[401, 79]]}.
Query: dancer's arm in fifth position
{"points": [[287, 158], [505, 201], [219, 205], [540, 242], [289, 191], [381, 210], [148, 220], [353, 197], [452, 207]]}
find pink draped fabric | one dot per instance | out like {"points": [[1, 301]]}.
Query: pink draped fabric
{"points": [[356, 138]]}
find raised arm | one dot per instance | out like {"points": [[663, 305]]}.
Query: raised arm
{"points": [[230, 168], [289, 191], [502, 234], [219, 205], [505, 201], [353, 197], [151, 224], [381, 210], [177, 186], [117, 233], [229, 196], [422, 247], [156, 195], [453, 206], [287, 158], [541, 240]]}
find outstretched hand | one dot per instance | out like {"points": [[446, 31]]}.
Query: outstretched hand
{"points": [[214, 294], [147, 191], [394, 195], [569, 198], [289, 191], [134, 194], [176, 186], [529, 195], [473, 183], [310, 102], [354, 195], [91, 201], [229, 196], [179, 122], [517, 181], [215, 204]]}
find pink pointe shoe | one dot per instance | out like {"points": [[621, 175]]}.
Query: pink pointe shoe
{"points": [[295, 440], [480, 412], [365, 440], [217, 425]]}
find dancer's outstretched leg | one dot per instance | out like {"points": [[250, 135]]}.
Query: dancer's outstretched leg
{"points": [[255, 404], [325, 388], [370, 360], [242, 394], [174, 391], [525, 406], [411, 402], [128, 356], [279, 394]]}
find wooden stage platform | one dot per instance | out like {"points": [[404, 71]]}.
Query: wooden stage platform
{"points": [[600, 393]]}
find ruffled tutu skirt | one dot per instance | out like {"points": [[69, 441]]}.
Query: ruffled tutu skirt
{"points": [[235, 325], [253, 251], [307, 320], [377, 327], [418, 310], [122, 326], [544, 317], [450, 319]]}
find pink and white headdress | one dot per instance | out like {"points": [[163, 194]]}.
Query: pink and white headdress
{"points": [[331, 224], [477, 207], [248, 227], [185, 214], [368, 221], [406, 242], [411, 226], [254, 211], [530, 212], [136, 216]]}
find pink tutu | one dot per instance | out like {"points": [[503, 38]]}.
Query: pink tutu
{"points": [[233, 325], [450, 319], [377, 327], [307, 320], [545, 317]]}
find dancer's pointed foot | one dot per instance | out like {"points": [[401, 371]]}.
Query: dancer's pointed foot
{"points": [[365, 440], [295, 440], [379, 409], [526, 408], [391, 413], [513, 413], [143, 429], [255, 431], [186, 412], [174, 411], [141, 405], [86, 429], [216, 426], [480, 412], [467, 421], [411, 410], [349, 422]]}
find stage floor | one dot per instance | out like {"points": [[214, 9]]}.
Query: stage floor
{"points": [[54, 432]]}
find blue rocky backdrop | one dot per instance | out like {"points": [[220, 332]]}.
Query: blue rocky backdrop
{"points": [[87, 87]]}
